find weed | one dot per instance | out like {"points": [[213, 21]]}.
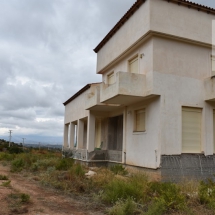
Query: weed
{"points": [[3, 177], [207, 193], [136, 187], [77, 170], [17, 165], [158, 207], [168, 195], [6, 184], [64, 164], [25, 198], [118, 169], [4, 156], [123, 207]]}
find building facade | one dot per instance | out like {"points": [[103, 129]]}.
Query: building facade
{"points": [[155, 106]]}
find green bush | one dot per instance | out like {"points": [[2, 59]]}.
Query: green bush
{"points": [[118, 169], [3, 177], [4, 156], [24, 198], [168, 195], [135, 187], [157, 207], [207, 193], [17, 165], [123, 207], [78, 170], [15, 150], [6, 184], [64, 164]]}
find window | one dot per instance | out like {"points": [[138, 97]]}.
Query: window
{"points": [[139, 122], [212, 65], [191, 130], [133, 65], [110, 78]]}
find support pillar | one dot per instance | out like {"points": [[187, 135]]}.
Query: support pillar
{"points": [[72, 135], [65, 142], [80, 134], [91, 132], [124, 135]]}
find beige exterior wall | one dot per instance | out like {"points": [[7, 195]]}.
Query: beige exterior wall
{"points": [[76, 109], [157, 16], [180, 58], [180, 21], [125, 37]]}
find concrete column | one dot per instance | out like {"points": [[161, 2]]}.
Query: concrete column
{"points": [[72, 135], [65, 142], [80, 134], [91, 132], [124, 135]]}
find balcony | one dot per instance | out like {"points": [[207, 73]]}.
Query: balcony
{"points": [[92, 101], [209, 85], [128, 88]]}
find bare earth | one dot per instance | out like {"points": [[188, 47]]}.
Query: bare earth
{"points": [[42, 201]]}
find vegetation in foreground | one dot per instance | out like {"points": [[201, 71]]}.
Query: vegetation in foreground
{"points": [[113, 189]]}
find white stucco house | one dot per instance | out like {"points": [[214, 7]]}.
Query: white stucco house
{"points": [[155, 106]]}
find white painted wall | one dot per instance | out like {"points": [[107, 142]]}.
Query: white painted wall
{"points": [[177, 91], [76, 109], [181, 21], [180, 58], [159, 16], [128, 34], [142, 147]]}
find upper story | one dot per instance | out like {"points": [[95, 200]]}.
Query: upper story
{"points": [[167, 36]]}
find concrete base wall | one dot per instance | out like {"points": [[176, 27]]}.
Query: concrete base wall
{"points": [[187, 166]]}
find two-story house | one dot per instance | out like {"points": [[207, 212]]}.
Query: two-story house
{"points": [[155, 106]]}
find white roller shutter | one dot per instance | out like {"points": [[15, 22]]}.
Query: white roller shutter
{"points": [[133, 65], [191, 130]]}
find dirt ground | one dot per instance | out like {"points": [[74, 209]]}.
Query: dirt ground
{"points": [[43, 201]]}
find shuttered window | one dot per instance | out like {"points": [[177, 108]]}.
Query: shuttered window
{"points": [[111, 78], [214, 128], [191, 130], [139, 120], [133, 65], [213, 65]]}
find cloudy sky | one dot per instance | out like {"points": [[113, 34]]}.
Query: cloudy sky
{"points": [[46, 55]]}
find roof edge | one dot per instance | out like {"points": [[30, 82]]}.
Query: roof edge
{"points": [[86, 87], [136, 6], [119, 24]]}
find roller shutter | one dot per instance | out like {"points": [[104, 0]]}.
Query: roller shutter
{"points": [[191, 130]]}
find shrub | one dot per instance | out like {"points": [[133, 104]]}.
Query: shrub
{"points": [[24, 197], [158, 207], [118, 169], [78, 170], [6, 156], [17, 165], [15, 150], [64, 164], [123, 207], [135, 187], [3, 177], [168, 196], [6, 184], [207, 193]]}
